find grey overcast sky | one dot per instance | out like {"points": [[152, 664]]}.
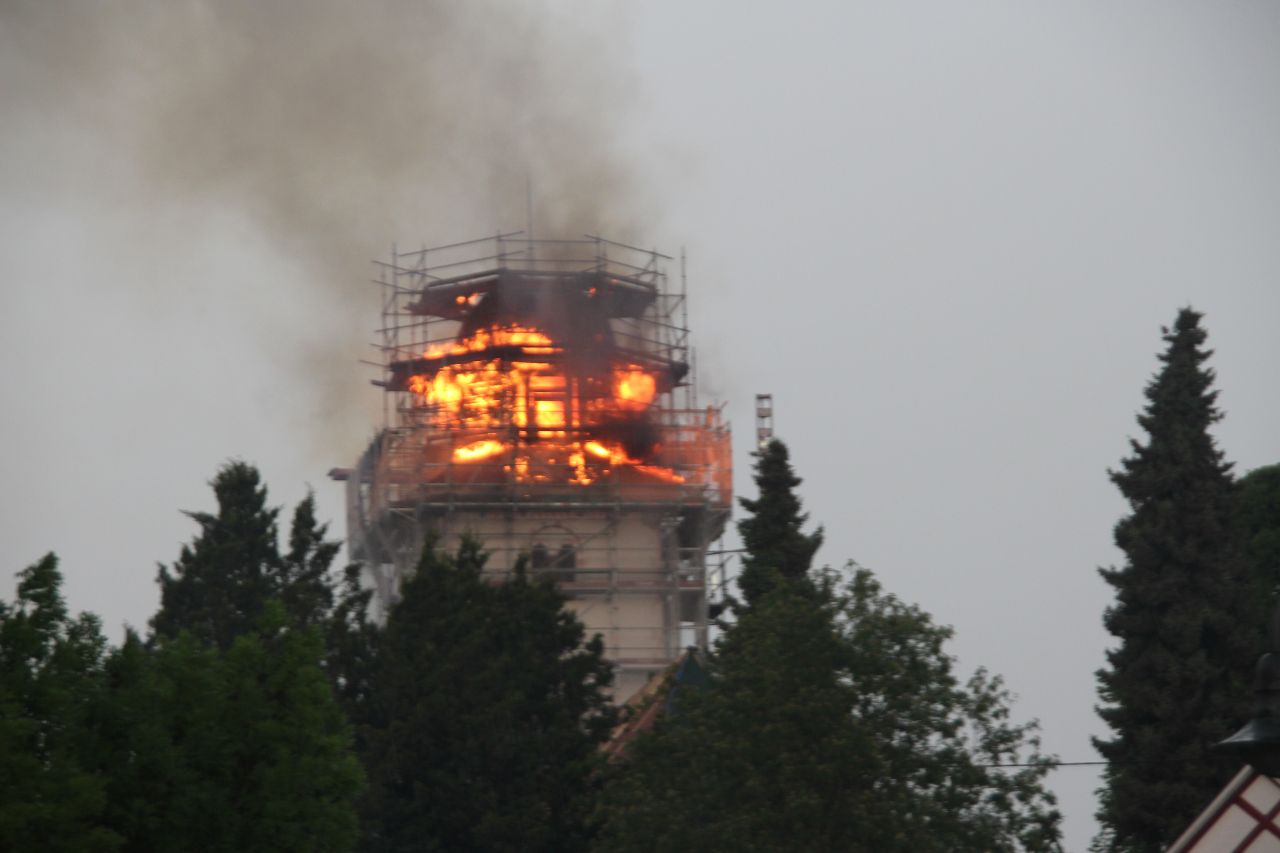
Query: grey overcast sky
{"points": [[944, 236]]}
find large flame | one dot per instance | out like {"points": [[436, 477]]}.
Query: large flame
{"points": [[511, 406]]}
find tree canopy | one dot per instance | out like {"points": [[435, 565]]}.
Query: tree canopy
{"points": [[51, 679], [832, 721], [1185, 618], [488, 708], [1257, 527], [222, 583], [176, 747]]}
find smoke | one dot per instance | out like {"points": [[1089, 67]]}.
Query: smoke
{"points": [[335, 128]]}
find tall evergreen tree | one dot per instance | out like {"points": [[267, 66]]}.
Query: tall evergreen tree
{"points": [[488, 709], [832, 721], [1184, 616], [776, 546]]}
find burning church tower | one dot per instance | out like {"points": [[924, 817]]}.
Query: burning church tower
{"points": [[538, 396]]}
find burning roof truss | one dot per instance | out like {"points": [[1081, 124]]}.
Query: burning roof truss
{"points": [[513, 364]]}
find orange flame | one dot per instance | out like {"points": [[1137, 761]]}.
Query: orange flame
{"points": [[478, 450], [533, 395], [634, 388]]}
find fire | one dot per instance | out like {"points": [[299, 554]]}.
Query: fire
{"points": [[511, 382], [478, 450], [533, 340], [634, 388]]}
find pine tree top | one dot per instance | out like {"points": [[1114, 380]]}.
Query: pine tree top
{"points": [[1181, 407], [773, 534]]}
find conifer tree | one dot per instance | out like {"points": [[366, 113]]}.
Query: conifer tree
{"points": [[1184, 618], [217, 588], [223, 582], [776, 546], [305, 586], [488, 710]]}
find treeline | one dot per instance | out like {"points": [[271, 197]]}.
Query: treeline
{"points": [[264, 711]]}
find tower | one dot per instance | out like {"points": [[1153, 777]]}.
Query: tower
{"points": [[538, 397]]}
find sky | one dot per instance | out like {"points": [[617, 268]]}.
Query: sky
{"points": [[944, 236]]}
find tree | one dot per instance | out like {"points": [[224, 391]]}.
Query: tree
{"points": [[832, 721], [243, 750], [222, 582], [775, 544], [1257, 527], [962, 775], [50, 682], [1185, 620], [488, 710], [217, 588], [294, 777], [305, 587]]}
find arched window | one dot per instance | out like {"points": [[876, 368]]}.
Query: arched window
{"points": [[567, 557], [539, 557], [554, 552]]}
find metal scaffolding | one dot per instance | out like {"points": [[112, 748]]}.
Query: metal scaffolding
{"points": [[620, 504]]}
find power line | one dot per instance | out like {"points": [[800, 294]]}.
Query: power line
{"points": [[1051, 764]]}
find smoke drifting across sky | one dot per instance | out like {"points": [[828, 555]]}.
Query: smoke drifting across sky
{"points": [[331, 129]]}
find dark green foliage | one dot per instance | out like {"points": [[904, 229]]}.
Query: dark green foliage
{"points": [[243, 750], [776, 546], [224, 732], [937, 739], [351, 643], [221, 584], [217, 588], [833, 721], [487, 713], [761, 760], [305, 587], [51, 679], [294, 778], [1257, 527], [1185, 616]]}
